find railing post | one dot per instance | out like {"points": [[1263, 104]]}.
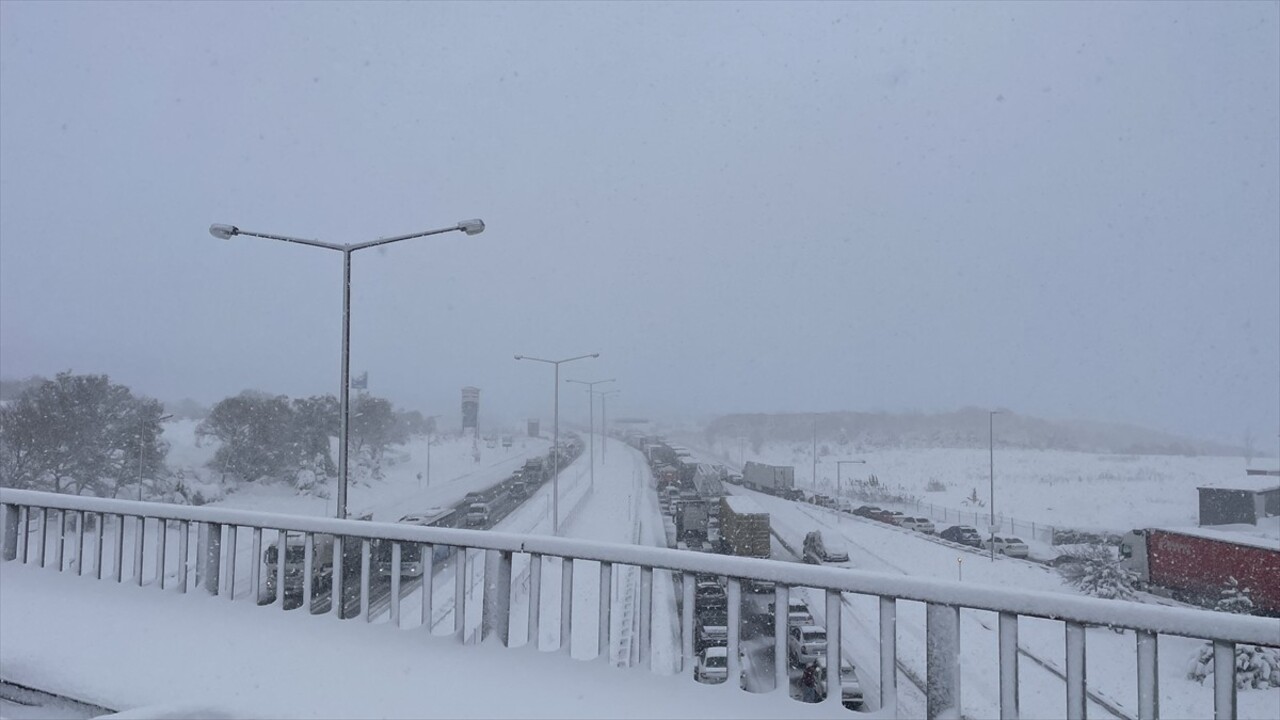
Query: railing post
{"points": [[1148, 675], [497, 596], [889, 656], [535, 600], [1076, 700], [233, 534], [1008, 639], [336, 579], [255, 567], [184, 540], [734, 622], [162, 538], [308, 572], [606, 604], [282, 548], [566, 605], [1224, 680], [460, 594], [428, 586], [62, 538], [395, 583], [26, 533], [686, 622], [44, 534], [942, 660], [835, 691], [365, 610], [209, 556], [99, 534], [119, 554], [80, 542], [781, 606], [139, 546], [10, 542], [646, 619]]}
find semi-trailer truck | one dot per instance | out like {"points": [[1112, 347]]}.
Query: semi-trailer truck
{"points": [[1197, 563]]}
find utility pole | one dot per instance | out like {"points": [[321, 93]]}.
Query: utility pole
{"points": [[991, 459]]}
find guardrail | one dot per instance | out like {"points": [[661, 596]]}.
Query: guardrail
{"points": [[29, 517]]}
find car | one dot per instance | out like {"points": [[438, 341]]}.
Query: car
{"points": [[712, 631], [844, 505], [1007, 545], [868, 511], [893, 517], [851, 695], [806, 643], [919, 524], [713, 665], [710, 595], [962, 534]]}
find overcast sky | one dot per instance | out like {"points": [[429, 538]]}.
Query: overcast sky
{"points": [[1069, 210]]}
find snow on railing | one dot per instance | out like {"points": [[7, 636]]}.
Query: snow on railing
{"points": [[28, 517]]}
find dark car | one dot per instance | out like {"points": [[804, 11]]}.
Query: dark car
{"points": [[867, 511], [962, 534]]}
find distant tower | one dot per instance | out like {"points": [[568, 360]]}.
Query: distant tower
{"points": [[471, 410], [533, 427]]}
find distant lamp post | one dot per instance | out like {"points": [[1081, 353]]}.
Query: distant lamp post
{"points": [[604, 423], [991, 458], [431, 431], [839, 465], [142, 444], [591, 404], [226, 232], [555, 443]]}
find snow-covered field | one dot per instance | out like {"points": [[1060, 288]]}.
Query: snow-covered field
{"points": [[1085, 491]]}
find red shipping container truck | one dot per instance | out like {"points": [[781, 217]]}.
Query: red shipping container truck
{"points": [[1197, 564]]}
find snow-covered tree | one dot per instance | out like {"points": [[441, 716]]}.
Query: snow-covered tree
{"points": [[1098, 572], [1257, 666], [1234, 599]]}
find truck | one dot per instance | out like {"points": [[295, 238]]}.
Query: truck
{"points": [[691, 520], [744, 527], [321, 564], [1195, 564], [773, 479]]}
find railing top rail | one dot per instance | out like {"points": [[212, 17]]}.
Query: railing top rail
{"points": [[1159, 619]]}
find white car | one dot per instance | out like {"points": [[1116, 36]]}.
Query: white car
{"points": [[919, 524], [1006, 545], [806, 643], [713, 665], [850, 688]]}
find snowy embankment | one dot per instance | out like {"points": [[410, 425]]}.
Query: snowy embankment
{"points": [[1111, 657], [1066, 489]]}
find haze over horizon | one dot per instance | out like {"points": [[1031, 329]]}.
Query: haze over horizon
{"points": [[1070, 210]]}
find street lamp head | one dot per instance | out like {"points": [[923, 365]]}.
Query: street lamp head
{"points": [[223, 232], [519, 357], [472, 227]]}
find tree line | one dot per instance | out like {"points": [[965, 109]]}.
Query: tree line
{"points": [[85, 435]]}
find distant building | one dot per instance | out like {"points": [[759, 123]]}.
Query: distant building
{"points": [[1246, 501]]}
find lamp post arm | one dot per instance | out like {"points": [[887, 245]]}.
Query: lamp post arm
{"points": [[299, 241], [398, 238]]}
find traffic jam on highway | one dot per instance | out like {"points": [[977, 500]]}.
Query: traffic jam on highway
{"points": [[479, 510], [700, 515]]}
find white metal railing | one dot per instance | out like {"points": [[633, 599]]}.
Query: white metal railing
{"points": [[29, 517]]}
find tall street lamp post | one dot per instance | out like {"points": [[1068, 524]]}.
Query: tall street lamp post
{"points": [[431, 431], [226, 232], [839, 464], [991, 458], [604, 423], [591, 405], [555, 443]]}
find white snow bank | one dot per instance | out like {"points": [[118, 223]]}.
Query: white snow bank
{"points": [[138, 648]]}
